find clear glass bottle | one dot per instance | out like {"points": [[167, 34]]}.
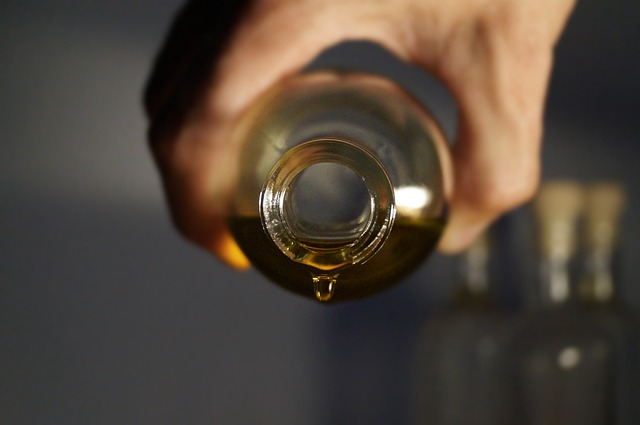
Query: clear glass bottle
{"points": [[600, 296], [341, 188], [563, 361], [462, 369]]}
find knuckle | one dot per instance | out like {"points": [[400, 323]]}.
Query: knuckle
{"points": [[509, 192]]}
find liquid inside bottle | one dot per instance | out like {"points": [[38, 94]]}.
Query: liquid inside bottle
{"points": [[342, 189], [405, 249]]}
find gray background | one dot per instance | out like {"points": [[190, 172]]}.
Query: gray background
{"points": [[108, 317]]}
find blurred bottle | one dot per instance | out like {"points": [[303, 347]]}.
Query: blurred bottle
{"points": [[563, 361], [462, 363], [341, 186], [599, 294]]}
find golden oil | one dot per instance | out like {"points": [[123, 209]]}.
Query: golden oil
{"points": [[406, 247]]}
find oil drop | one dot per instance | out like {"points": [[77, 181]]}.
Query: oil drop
{"points": [[323, 286]]}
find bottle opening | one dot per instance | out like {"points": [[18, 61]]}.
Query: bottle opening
{"points": [[328, 203]]}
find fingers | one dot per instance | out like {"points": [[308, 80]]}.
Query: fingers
{"points": [[191, 130], [188, 165], [176, 87], [280, 37], [497, 66], [494, 56], [497, 152], [182, 70]]}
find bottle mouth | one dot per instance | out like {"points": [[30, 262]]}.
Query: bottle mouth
{"points": [[328, 203]]}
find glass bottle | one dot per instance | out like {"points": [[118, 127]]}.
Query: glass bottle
{"points": [[563, 361], [341, 187], [462, 363], [600, 296]]}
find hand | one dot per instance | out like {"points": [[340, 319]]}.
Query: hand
{"points": [[495, 57]]}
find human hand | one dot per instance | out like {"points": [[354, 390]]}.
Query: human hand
{"points": [[495, 57]]}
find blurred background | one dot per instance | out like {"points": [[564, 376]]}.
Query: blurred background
{"points": [[108, 317]]}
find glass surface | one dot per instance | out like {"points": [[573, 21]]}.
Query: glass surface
{"points": [[341, 191], [623, 330], [564, 369], [463, 369], [565, 361], [599, 296], [463, 354]]}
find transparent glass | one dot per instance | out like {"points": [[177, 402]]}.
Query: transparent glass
{"points": [[564, 361], [623, 330], [463, 354], [565, 366], [599, 295], [341, 190]]}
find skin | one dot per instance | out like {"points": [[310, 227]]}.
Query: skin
{"points": [[495, 56]]}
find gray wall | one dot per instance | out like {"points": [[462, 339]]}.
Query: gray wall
{"points": [[108, 317]]}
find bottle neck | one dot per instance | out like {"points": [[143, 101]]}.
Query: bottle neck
{"points": [[558, 207], [606, 201], [556, 281], [474, 288], [328, 204], [598, 285]]}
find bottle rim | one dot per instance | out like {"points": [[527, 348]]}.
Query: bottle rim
{"points": [[282, 225]]}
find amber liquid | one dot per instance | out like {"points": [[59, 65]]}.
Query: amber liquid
{"points": [[407, 246]]}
